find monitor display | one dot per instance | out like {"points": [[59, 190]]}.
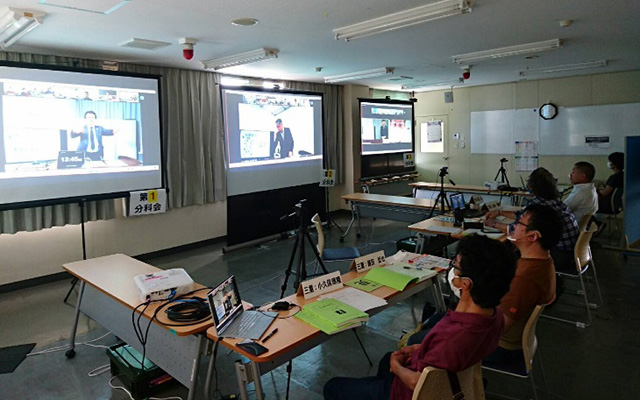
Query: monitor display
{"points": [[386, 126], [273, 139], [68, 134], [457, 201]]}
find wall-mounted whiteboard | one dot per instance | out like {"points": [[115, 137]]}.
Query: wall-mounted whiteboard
{"points": [[566, 134], [495, 132]]}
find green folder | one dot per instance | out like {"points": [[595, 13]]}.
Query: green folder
{"points": [[322, 324], [390, 278], [363, 284], [336, 312]]}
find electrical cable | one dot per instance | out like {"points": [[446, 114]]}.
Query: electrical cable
{"points": [[100, 370], [131, 396], [66, 346]]}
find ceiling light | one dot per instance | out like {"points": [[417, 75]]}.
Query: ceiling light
{"points": [[403, 19], [419, 86], [562, 68], [354, 76], [241, 59], [508, 51], [231, 81], [15, 23], [244, 22]]}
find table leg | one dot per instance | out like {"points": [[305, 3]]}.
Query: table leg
{"points": [[72, 342], [359, 225], [420, 243], [207, 382], [241, 375], [194, 369], [353, 219], [255, 372]]}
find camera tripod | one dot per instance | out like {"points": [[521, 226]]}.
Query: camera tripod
{"points": [[502, 173], [442, 196], [301, 234]]}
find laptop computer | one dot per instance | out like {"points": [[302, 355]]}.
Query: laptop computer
{"points": [[229, 316], [458, 203]]}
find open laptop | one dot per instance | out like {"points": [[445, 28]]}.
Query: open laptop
{"points": [[457, 202], [229, 317]]}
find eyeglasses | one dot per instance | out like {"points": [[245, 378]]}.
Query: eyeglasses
{"points": [[452, 265]]}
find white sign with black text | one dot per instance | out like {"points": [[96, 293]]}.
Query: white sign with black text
{"points": [[321, 285], [147, 202], [369, 261], [328, 178]]}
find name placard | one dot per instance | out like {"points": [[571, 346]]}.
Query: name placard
{"points": [[320, 285], [369, 261], [408, 160], [328, 178], [147, 202]]}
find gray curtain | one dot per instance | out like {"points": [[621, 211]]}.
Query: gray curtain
{"points": [[192, 141]]}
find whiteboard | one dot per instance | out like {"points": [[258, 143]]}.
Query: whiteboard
{"points": [[565, 134], [492, 132]]}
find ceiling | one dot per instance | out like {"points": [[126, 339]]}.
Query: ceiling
{"points": [[302, 32]]}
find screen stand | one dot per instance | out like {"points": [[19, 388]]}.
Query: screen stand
{"points": [[74, 281]]}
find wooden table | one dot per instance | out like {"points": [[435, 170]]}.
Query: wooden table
{"points": [[108, 295], [395, 208], [295, 337], [447, 187], [434, 226]]}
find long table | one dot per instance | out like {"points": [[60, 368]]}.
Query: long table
{"points": [[395, 208], [108, 295], [435, 226], [295, 337], [447, 187]]}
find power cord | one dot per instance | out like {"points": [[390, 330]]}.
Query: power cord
{"points": [[131, 396], [66, 346]]}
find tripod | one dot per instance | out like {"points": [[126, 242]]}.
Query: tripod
{"points": [[301, 234], [442, 196], [74, 281], [502, 173]]}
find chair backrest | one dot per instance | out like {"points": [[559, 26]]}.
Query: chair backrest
{"points": [[583, 224], [434, 384], [318, 224], [582, 251], [529, 339]]}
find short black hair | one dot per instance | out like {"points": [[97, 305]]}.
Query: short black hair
{"points": [[617, 159], [587, 169], [491, 266], [543, 184], [90, 112], [547, 221], [278, 121]]}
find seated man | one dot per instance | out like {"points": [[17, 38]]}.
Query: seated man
{"points": [[484, 269], [583, 198], [534, 235]]}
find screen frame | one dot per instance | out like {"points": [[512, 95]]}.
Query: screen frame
{"points": [[96, 196], [388, 102]]}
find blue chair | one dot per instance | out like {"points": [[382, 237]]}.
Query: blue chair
{"points": [[332, 254]]}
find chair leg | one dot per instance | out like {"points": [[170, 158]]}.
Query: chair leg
{"points": [[595, 277], [533, 385], [544, 380], [586, 303]]}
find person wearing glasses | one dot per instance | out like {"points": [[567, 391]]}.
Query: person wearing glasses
{"points": [[543, 186], [483, 270]]}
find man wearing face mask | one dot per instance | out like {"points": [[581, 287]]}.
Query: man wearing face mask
{"points": [[483, 270], [535, 233]]}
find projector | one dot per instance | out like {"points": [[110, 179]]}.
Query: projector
{"points": [[160, 285]]}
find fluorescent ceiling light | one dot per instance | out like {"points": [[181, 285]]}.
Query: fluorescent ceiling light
{"points": [[419, 86], [241, 59], [145, 44], [507, 51], [231, 81], [354, 76], [15, 23], [565, 67], [403, 19]]}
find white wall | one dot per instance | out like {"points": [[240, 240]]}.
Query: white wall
{"points": [[27, 255]]}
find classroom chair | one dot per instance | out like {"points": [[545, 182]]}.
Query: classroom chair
{"points": [[434, 384], [332, 254], [614, 219], [524, 368], [585, 222], [583, 261]]}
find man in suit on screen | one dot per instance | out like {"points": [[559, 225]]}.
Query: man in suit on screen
{"points": [[91, 137], [281, 141]]}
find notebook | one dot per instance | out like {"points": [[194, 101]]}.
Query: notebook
{"points": [[229, 316]]}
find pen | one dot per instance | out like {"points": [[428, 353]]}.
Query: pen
{"points": [[418, 268], [273, 332]]}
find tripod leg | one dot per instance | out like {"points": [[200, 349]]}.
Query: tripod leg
{"points": [[435, 205], [288, 271], [301, 270], [315, 251], [74, 281]]}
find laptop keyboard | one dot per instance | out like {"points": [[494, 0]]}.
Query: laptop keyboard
{"points": [[250, 325]]}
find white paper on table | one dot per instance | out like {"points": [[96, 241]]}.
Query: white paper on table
{"points": [[356, 298], [401, 257]]}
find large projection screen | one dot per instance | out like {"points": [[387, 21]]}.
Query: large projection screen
{"points": [[273, 139], [386, 126], [68, 135]]}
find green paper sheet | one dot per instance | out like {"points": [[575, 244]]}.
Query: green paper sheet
{"points": [[322, 324], [336, 312], [390, 278], [363, 284]]}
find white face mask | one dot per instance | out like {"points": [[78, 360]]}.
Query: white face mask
{"points": [[609, 165], [450, 276]]}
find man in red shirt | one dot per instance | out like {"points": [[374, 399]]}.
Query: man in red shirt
{"points": [[483, 268]]}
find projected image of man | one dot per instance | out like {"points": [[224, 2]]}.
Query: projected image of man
{"points": [[282, 143], [91, 137], [384, 129]]}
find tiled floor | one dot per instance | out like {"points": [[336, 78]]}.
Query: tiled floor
{"points": [[599, 362]]}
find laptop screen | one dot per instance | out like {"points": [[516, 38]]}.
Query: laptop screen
{"points": [[224, 302], [457, 201]]}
